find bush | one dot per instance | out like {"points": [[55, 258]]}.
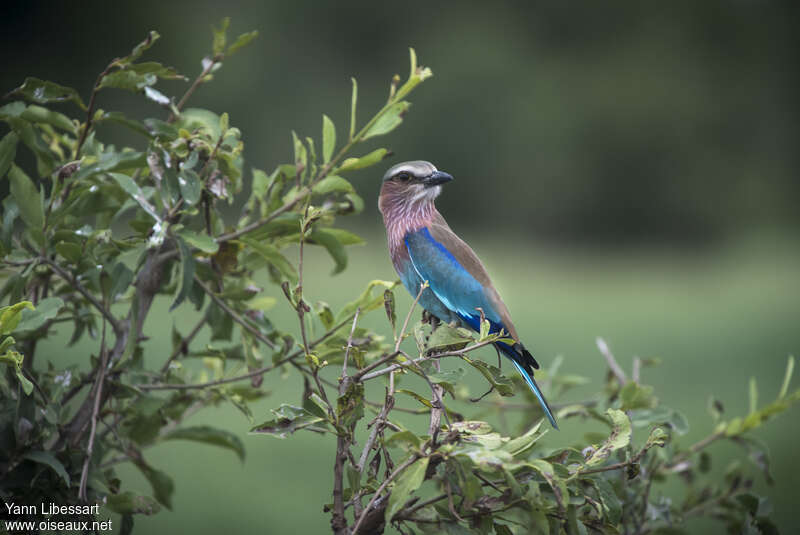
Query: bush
{"points": [[100, 231]]}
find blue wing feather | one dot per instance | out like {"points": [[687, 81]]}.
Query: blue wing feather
{"points": [[455, 292]]}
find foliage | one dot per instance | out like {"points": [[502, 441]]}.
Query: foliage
{"points": [[96, 232]]}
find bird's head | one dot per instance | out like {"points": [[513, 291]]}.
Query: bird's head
{"points": [[412, 183]]}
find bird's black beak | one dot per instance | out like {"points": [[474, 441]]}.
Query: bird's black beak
{"points": [[436, 178]]}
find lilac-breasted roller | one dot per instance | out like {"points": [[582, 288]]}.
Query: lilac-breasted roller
{"points": [[424, 248]]}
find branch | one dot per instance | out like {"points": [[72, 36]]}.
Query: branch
{"points": [[350, 342], [75, 283], [184, 345], [195, 84], [234, 316], [343, 440], [380, 422], [415, 362], [612, 362], [408, 316], [411, 460], [301, 194], [694, 448], [101, 375], [248, 375], [90, 109]]}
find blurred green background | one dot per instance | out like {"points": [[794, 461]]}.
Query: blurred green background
{"points": [[625, 170]]}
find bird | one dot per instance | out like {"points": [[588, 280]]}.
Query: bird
{"points": [[423, 248]]}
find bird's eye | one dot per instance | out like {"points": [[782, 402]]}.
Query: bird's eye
{"points": [[402, 176]]}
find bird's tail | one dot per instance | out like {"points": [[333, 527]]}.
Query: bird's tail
{"points": [[535, 389]]}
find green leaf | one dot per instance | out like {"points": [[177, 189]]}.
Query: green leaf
{"points": [[8, 151], [209, 435], [27, 386], [126, 503], [636, 396], [139, 49], [271, 254], [187, 273], [191, 185], [205, 243], [121, 277], [44, 92], [111, 161], [162, 485], [119, 118], [658, 437], [753, 395], [332, 245], [28, 198], [71, 251], [787, 377], [133, 189], [10, 316], [447, 338], [47, 309], [162, 129], [366, 301], [11, 110], [241, 41], [128, 80], [156, 96], [345, 237], [389, 306], [350, 406], [352, 164], [353, 102], [416, 396], [389, 120], [47, 458], [472, 427], [325, 314], [38, 114], [218, 45], [406, 483], [328, 139], [32, 138], [493, 374], [609, 499], [619, 438], [557, 484], [407, 440], [519, 445], [332, 184], [288, 419], [300, 154]]}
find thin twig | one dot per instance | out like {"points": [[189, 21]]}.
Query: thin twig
{"points": [[612, 362], [248, 375], [380, 422], [195, 84], [408, 316], [694, 448], [183, 346], [636, 370], [415, 362], [234, 316], [101, 374], [408, 462], [402, 515], [301, 195], [350, 342], [383, 360], [90, 109], [75, 283]]}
